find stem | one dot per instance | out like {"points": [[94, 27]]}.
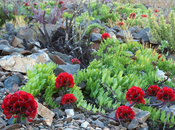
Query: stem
{"points": [[109, 117], [160, 104], [65, 89], [130, 105], [18, 119]]}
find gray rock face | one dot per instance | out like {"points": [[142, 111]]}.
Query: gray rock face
{"points": [[4, 42], [8, 83], [133, 124], [99, 123], [142, 35], [10, 28], [95, 37], [69, 68], [26, 33], [66, 58]]}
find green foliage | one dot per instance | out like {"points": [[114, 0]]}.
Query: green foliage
{"points": [[162, 30], [92, 26], [4, 17], [66, 14]]}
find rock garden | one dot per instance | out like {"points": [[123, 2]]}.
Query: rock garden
{"points": [[87, 65]]}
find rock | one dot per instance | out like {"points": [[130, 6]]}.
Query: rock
{"points": [[1, 85], [10, 28], [58, 100], [94, 117], [116, 28], [64, 57], [143, 115], [56, 59], [95, 30], [85, 124], [99, 123], [69, 68], [69, 112], [112, 114], [78, 116], [106, 128], [96, 37], [133, 124], [6, 50], [142, 35], [26, 33], [161, 75], [2, 123], [95, 21], [22, 64], [130, 53], [4, 42], [16, 42], [95, 46], [132, 30], [136, 110], [45, 113], [12, 127], [122, 34], [112, 35], [144, 128], [68, 129], [10, 81]]}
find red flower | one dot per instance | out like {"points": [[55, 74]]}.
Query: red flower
{"points": [[152, 90], [166, 94], [132, 15], [61, 2], [34, 4], [120, 23], [26, 4], [68, 99], [20, 103], [155, 15], [105, 36], [124, 112], [160, 57], [156, 10], [135, 94], [45, 2], [64, 79], [75, 61], [143, 15], [120, 7]]}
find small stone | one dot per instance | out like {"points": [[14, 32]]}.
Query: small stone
{"points": [[78, 116], [1, 85], [68, 129], [85, 124], [99, 123], [69, 112], [96, 37], [98, 128], [143, 115], [12, 127], [10, 81], [2, 123], [16, 42], [106, 128], [133, 124]]}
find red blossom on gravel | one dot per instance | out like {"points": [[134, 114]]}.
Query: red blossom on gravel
{"points": [[61, 2], [68, 99], [105, 36], [156, 10], [125, 113], [143, 15], [135, 94], [75, 61], [20, 103], [160, 57], [120, 24], [152, 90], [132, 15], [166, 94], [64, 79]]}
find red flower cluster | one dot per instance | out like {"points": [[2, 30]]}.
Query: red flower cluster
{"points": [[105, 36], [160, 57], [61, 2], [166, 94], [68, 99], [120, 23], [156, 10], [20, 103], [120, 7], [152, 90], [143, 15], [135, 94], [75, 61], [26, 4], [132, 15], [64, 79], [124, 112]]}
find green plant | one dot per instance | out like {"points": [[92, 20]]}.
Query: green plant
{"points": [[92, 26], [163, 46], [162, 30]]}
